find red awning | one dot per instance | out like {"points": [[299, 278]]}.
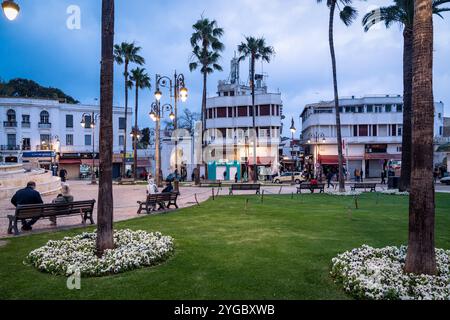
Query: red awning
{"points": [[69, 161], [263, 161], [382, 156], [89, 162], [327, 159]]}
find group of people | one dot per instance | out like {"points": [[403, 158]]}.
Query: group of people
{"points": [[29, 195]]}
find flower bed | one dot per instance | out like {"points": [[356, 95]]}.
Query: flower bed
{"points": [[344, 194], [134, 249], [368, 273], [395, 192]]}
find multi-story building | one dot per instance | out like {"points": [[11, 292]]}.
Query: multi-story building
{"points": [[47, 132], [230, 133], [371, 133]]}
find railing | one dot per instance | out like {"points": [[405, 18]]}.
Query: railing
{"points": [[9, 148], [26, 125], [9, 124], [44, 125]]}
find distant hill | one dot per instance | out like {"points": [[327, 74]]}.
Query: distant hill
{"points": [[25, 88]]}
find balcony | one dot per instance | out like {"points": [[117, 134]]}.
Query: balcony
{"points": [[10, 124], [46, 147], [26, 125], [9, 148], [44, 125]]}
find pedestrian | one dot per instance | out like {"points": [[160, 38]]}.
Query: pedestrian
{"points": [[168, 188], [383, 177], [62, 198], [63, 174], [236, 178], [357, 175], [224, 176], [361, 177], [435, 174], [28, 195], [329, 179]]}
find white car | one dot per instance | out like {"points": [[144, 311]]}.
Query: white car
{"points": [[287, 177], [446, 180]]}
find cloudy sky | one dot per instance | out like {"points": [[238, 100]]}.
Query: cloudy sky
{"points": [[39, 46]]}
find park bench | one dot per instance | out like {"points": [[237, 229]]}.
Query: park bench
{"points": [[163, 200], [365, 186], [50, 210], [127, 181], [245, 187], [311, 187], [212, 183]]}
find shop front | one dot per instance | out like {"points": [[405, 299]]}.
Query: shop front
{"points": [[224, 170], [39, 159]]}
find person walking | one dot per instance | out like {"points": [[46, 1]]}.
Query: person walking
{"points": [[330, 175], [383, 177], [63, 174], [25, 196]]}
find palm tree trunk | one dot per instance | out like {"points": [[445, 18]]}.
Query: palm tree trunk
{"points": [[124, 157], [336, 100], [105, 192], [197, 172], [405, 177], [135, 128], [421, 257], [252, 84]]}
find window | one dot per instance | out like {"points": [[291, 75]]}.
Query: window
{"points": [[394, 130], [341, 109], [355, 130], [264, 110], [25, 118], [225, 93], [11, 114], [349, 109], [370, 108], [121, 140], [243, 111], [87, 140], [87, 122], [360, 109], [69, 139], [11, 141], [69, 121], [230, 112], [45, 117], [388, 108], [399, 108], [363, 130], [231, 93], [399, 149], [374, 130], [441, 131], [440, 115], [378, 109], [222, 112], [278, 110], [45, 139], [122, 123], [26, 144], [399, 130]]}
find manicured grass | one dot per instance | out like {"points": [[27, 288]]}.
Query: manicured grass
{"points": [[279, 249]]}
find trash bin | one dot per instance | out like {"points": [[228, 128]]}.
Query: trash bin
{"points": [[393, 182]]}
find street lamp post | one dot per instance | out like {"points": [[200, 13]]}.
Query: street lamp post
{"points": [[178, 90], [293, 130], [156, 113], [93, 120], [10, 9], [316, 137]]}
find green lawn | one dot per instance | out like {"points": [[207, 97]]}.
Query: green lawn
{"points": [[280, 249]]}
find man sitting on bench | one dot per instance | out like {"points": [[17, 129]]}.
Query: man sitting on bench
{"points": [[25, 196]]}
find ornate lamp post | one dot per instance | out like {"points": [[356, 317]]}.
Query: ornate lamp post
{"points": [[156, 113], [93, 120], [10, 9], [293, 130], [315, 138], [178, 90]]}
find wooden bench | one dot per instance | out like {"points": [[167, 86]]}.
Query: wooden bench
{"points": [[245, 187], [127, 181], [47, 211], [215, 183], [311, 187], [163, 200], [365, 186]]}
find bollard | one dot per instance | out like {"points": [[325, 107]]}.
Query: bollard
{"points": [[262, 197], [279, 192], [195, 196], [213, 193], [356, 202]]}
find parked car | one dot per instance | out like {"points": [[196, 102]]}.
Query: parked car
{"points": [[446, 180], [287, 177]]}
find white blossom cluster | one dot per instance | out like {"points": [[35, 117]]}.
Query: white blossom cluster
{"points": [[395, 192], [368, 273], [133, 249], [347, 193]]}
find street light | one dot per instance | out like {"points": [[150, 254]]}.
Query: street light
{"points": [[293, 130], [93, 120], [10, 9]]}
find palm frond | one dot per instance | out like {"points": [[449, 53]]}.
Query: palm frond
{"points": [[348, 14]]}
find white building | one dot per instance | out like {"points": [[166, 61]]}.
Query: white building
{"points": [[371, 133], [229, 125], [44, 132]]}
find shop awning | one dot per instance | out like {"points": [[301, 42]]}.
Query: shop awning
{"points": [[69, 161], [329, 159], [382, 156], [263, 161], [89, 162]]}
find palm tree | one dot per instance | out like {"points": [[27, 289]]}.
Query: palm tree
{"points": [[348, 15], [402, 13], [141, 81], [254, 49], [206, 48], [105, 194], [124, 54], [421, 258]]}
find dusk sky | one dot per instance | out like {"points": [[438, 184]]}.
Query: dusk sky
{"points": [[39, 46]]}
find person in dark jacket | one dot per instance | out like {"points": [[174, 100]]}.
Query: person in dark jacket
{"points": [[25, 196], [63, 174], [168, 188]]}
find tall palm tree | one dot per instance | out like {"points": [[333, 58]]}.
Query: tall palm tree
{"points": [[402, 13], [206, 48], [105, 194], [141, 80], [421, 258], [126, 53], [254, 49], [348, 14]]}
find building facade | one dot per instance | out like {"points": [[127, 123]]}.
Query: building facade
{"points": [[371, 133], [48, 134], [229, 149]]}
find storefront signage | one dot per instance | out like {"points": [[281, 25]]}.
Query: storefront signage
{"points": [[39, 154]]}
